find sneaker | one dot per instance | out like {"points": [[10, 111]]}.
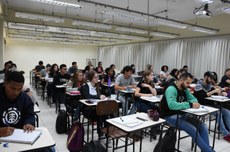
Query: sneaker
{"points": [[227, 138]]}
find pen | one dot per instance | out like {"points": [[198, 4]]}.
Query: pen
{"points": [[121, 119], [142, 119]]}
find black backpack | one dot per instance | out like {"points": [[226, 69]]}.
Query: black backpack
{"points": [[94, 146], [167, 143], [61, 122]]}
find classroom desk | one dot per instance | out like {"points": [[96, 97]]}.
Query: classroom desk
{"points": [[36, 111], [126, 93], [146, 124], [44, 141], [94, 104], [153, 99], [220, 102], [59, 88], [199, 116]]}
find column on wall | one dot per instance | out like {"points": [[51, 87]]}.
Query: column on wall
{"points": [[1, 43]]}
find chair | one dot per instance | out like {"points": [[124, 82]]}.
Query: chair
{"points": [[107, 108]]}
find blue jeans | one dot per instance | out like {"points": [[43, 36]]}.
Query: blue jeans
{"points": [[124, 103], [141, 106], [183, 124], [225, 115]]}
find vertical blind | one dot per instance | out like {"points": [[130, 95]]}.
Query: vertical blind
{"points": [[200, 54]]}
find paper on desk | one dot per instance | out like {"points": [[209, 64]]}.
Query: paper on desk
{"points": [[128, 122], [150, 98], [20, 136], [219, 97], [194, 110]]}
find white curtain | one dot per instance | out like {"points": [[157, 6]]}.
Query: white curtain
{"points": [[200, 54]]}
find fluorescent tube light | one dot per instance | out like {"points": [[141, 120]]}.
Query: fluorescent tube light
{"points": [[0, 8], [203, 1], [171, 23], [27, 26], [39, 17], [73, 31], [132, 30], [162, 34], [124, 15], [202, 30], [91, 24], [58, 3]]}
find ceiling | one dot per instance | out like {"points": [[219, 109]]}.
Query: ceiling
{"points": [[144, 17]]}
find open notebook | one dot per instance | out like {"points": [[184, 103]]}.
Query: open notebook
{"points": [[198, 110], [128, 122], [20, 136], [219, 97]]}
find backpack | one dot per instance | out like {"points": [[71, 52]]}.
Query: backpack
{"points": [[94, 146], [167, 143], [75, 137], [61, 122]]}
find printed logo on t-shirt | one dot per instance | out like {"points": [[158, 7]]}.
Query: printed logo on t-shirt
{"points": [[11, 116]]}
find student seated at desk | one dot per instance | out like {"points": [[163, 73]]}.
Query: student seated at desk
{"points": [[90, 91], [16, 107], [144, 88], [61, 78], [203, 89], [76, 81], [176, 98], [225, 80], [123, 81]]}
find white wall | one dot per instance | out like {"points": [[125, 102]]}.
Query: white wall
{"points": [[27, 54]]}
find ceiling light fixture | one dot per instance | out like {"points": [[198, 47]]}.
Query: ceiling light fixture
{"points": [[225, 8], [73, 31], [124, 15], [171, 23], [132, 30], [39, 17], [203, 30], [163, 34], [204, 1], [58, 3], [91, 24], [27, 26]]}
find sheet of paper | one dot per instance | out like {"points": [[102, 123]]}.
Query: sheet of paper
{"points": [[129, 122]]}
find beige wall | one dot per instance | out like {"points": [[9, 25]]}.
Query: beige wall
{"points": [[27, 54]]}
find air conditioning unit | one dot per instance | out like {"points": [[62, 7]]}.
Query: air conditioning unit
{"points": [[225, 8]]}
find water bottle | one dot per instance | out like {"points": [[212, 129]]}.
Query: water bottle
{"points": [[109, 81]]}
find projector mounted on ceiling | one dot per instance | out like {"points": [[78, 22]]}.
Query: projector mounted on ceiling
{"points": [[202, 11]]}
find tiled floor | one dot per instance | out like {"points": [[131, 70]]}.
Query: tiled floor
{"points": [[47, 118]]}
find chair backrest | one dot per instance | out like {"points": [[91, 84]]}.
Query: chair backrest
{"points": [[106, 107]]}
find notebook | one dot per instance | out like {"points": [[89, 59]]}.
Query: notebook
{"points": [[128, 122], [219, 97], [198, 110], [20, 136]]}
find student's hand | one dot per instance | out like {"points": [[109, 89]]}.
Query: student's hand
{"points": [[218, 91], [195, 105], [6, 131], [28, 127], [102, 97]]}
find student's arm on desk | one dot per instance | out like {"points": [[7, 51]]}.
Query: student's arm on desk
{"points": [[28, 119], [6, 131], [117, 87], [171, 97]]}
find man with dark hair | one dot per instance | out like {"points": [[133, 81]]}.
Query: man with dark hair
{"points": [[124, 81], [185, 67], [16, 107], [61, 78], [177, 97], [203, 89], [39, 67], [73, 69]]}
